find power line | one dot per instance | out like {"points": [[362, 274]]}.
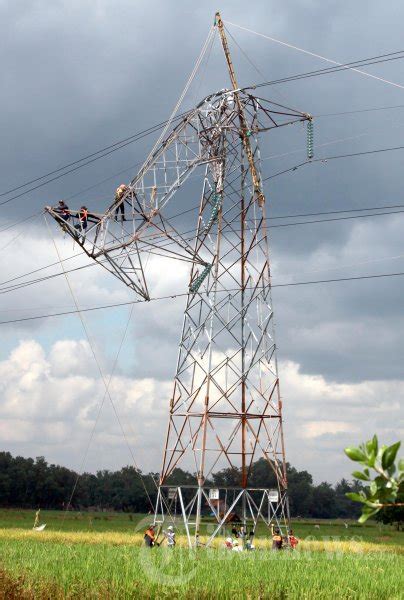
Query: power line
{"points": [[71, 170], [295, 167], [335, 157], [375, 151], [104, 380], [100, 182], [173, 296], [106, 154], [23, 284], [395, 212], [329, 60], [357, 111], [121, 143], [21, 221], [357, 278], [328, 70], [107, 150], [335, 212], [41, 268], [73, 255]]}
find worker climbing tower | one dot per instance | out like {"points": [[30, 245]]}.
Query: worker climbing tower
{"points": [[225, 410]]}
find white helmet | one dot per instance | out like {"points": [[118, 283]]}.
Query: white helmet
{"points": [[170, 528]]}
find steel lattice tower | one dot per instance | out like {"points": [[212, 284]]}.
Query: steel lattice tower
{"points": [[225, 409]]}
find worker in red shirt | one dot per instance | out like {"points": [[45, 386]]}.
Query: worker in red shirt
{"points": [[293, 541]]}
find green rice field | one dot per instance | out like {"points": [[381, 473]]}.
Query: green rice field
{"points": [[100, 555]]}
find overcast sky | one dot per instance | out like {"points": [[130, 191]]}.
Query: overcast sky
{"points": [[77, 76]]}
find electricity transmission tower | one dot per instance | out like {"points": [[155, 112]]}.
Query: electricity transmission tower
{"points": [[225, 409]]}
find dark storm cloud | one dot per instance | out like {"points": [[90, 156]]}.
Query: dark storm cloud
{"points": [[79, 75]]}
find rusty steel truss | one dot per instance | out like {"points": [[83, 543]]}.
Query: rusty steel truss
{"points": [[225, 409]]}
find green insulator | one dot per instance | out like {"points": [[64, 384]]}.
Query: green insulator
{"points": [[200, 279], [214, 213], [248, 133]]}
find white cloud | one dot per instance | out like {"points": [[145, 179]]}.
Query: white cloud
{"points": [[315, 429], [69, 356], [322, 417], [49, 410]]}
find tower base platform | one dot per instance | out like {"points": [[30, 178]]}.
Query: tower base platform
{"points": [[206, 513]]}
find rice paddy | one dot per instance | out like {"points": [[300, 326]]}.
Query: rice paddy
{"points": [[81, 556]]}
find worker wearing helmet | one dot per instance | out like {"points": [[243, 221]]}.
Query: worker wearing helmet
{"points": [[170, 536], [120, 206]]}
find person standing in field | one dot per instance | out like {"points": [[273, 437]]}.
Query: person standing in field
{"points": [[237, 547], [228, 544], [170, 536], [37, 518], [293, 541], [249, 541], [150, 537], [277, 540]]}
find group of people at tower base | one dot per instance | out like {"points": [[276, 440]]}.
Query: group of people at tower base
{"points": [[238, 542], [83, 216]]}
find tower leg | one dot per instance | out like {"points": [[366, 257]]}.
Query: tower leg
{"points": [[184, 517], [287, 511], [198, 514], [244, 513], [158, 511]]}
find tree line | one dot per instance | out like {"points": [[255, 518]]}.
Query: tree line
{"points": [[29, 483]]}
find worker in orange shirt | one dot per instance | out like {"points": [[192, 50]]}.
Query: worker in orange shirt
{"points": [[277, 540], [150, 537]]}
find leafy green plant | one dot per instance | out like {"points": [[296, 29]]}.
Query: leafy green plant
{"points": [[382, 490]]}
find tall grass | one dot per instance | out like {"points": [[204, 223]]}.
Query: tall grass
{"points": [[129, 523], [74, 569], [329, 544], [100, 556]]}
